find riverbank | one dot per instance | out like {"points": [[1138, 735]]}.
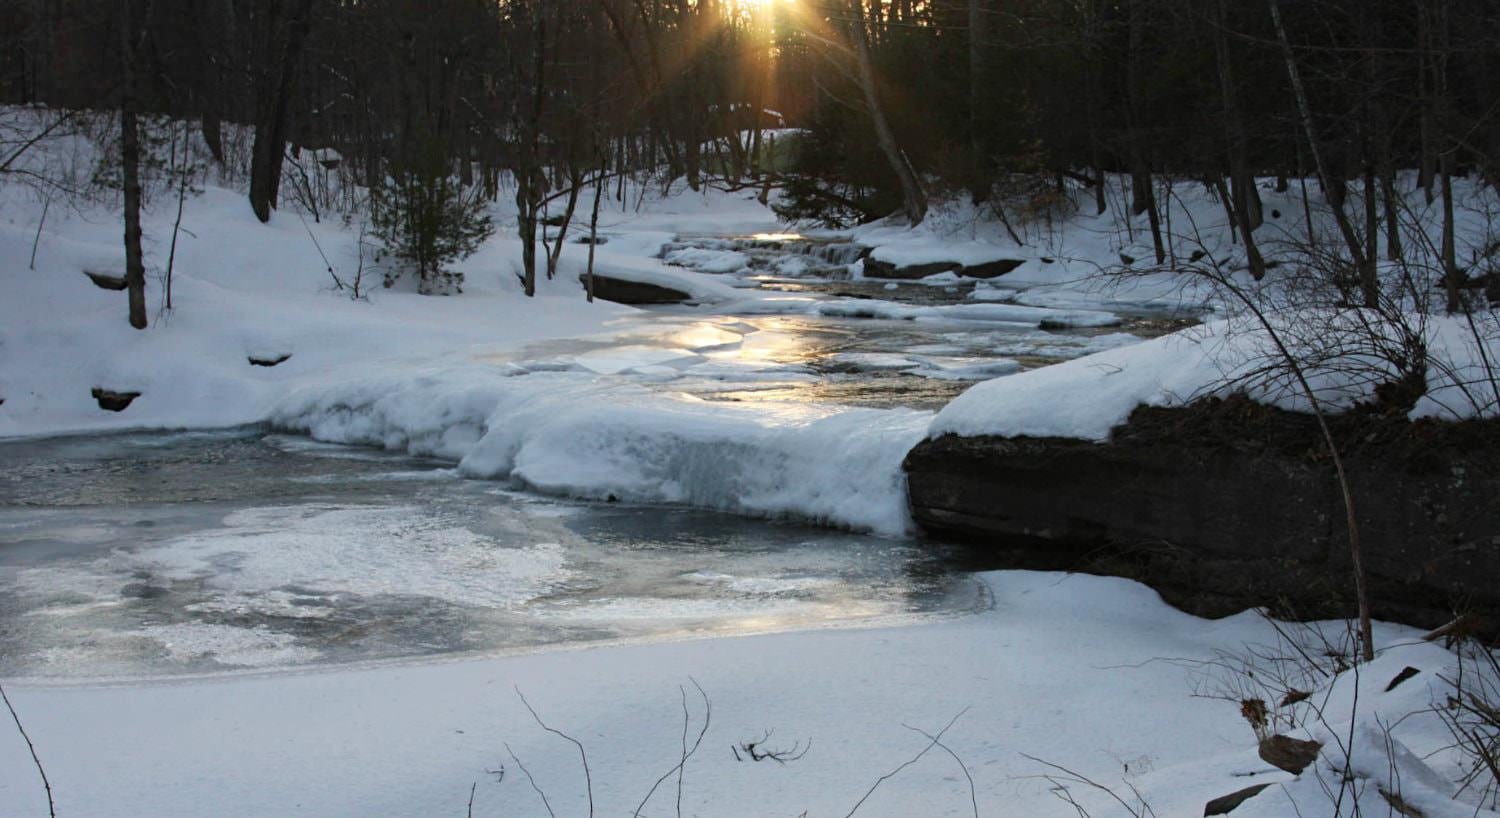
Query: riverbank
{"points": [[1097, 675]]}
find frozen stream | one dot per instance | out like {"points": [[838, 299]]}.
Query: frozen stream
{"points": [[170, 554], [141, 555]]}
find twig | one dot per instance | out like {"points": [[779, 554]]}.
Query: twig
{"points": [[472, 788], [935, 741], [177, 226], [51, 806], [1079, 778], [973, 795], [587, 776], [534, 785], [38, 239], [326, 262], [687, 751]]}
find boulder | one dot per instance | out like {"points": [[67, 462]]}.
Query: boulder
{"points": [[112, 401], [991, 269], [1225, 804], [875, 268], [1220, 513], [104, 281], [623, 291], [1287, 753]]}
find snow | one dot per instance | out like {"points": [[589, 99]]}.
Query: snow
{"points": [[708, 261], [1086, 397], [240, 289], [1045, 402], [1070, 669], [578, 435]]}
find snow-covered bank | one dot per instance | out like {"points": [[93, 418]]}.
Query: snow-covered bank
{"points": [[240, 289], [1071, 669], [1087, 397], [583, 435]]}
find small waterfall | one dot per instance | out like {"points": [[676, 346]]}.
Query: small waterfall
{"points": [[789, 256]]}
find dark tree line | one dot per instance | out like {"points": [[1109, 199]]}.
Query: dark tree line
{"points": [[542, 100], [977, 90]]}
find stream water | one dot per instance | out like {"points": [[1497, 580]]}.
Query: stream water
{"points": [[167, 554], [162, 554]]}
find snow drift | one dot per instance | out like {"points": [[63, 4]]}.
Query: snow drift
{"points": [[594, 437]]}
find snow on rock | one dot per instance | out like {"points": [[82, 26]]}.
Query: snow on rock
{"points": [[579, 435], [708, 261], [701, 287], [1086, 397], [932, 249]]}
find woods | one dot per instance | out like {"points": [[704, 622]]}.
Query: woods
{"points": [[889, 98], [420, 119]]}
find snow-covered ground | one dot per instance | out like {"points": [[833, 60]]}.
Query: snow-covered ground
{"points": [[1096, 675]]}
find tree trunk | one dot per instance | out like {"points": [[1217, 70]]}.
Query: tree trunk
{"points": [[130, 163], [285, 39], [979, 178], [1452, 276], [528, 199], [575, 182], [1143, 196], [1393, 250], [1304, 113], [1246, 210], [1427, 160], [912, 195], [1369, 282]]}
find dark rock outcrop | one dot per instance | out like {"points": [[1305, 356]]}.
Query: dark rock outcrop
{"points": [[875, 268], [621, 291], [1231, 506], [1225, 804], [1401, 678], [104, 281], [991, 269], [112, 401]]}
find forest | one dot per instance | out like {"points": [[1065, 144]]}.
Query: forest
{"points": [[878, 105]]}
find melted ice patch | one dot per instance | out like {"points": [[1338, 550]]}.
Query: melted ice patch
{"points": [[228, 645], [359, 550]]}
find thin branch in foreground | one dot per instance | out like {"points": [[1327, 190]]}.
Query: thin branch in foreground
{"points": [[588, 777], [534, 786], [688, 751], [935, 740], [1072, 777], [51, 806], [973, 794]]}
